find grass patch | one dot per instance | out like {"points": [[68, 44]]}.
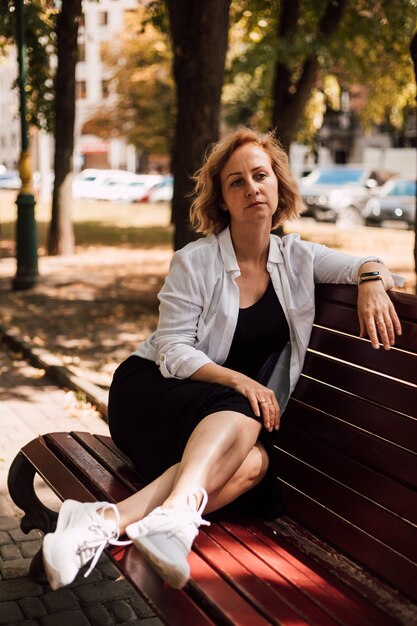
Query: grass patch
{"points": [[98, 233]]}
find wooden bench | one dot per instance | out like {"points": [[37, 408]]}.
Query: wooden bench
{"points": [[345, 551]]}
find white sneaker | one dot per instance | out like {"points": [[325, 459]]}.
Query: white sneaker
{"points": [[82, 533], [165, 537]]}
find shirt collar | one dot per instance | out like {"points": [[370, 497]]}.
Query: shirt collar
{"points": [[228, 253]]}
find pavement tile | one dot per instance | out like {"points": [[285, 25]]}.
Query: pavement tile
{"points": [[60, 600], [121, 611], [10, 613], [65, 618], [99, 615], [32, 607], [16, 589], [28, 403], [8, 523]]}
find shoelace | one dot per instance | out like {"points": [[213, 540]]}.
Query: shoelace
{"points": [[93, 548], [188, 515]]}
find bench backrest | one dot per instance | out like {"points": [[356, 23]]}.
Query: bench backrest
{"points": [[347, 448]]}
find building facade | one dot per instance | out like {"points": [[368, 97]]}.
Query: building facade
{"points": [[9, 111], [102, 21]]}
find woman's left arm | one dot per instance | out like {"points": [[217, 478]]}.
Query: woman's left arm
{"points": [[377, 316]]}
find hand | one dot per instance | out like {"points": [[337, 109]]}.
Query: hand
{"points": [[377, 316], [262, 401]]}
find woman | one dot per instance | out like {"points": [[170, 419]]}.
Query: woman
{"points": [[195, 405]]}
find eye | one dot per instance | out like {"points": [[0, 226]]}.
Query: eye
{"points": [[236, 182], [260, 176]]}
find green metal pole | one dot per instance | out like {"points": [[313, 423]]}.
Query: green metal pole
{"points": [[26, 237]]}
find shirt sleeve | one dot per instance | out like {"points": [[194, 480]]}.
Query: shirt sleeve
{"points": [[332, 266], [181, 304]]}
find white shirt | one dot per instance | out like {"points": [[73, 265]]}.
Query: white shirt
{"points": [[199, 303]]}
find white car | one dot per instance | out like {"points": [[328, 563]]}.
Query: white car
{"points": [[10, 179], [161, 192], [98, 184], [135, 190]]}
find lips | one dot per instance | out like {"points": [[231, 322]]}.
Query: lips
{"points": [[254, 204]]}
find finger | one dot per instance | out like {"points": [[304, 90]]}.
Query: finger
{"points": [[254, 402], [390, 329], [383, 333], [362, 326], [272, 416], [277, 412], [395, 319], [264, 406], [373, 333]]}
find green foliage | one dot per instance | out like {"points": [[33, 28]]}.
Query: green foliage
{"points": [[142, 106], [40, 18], [371, 49]]}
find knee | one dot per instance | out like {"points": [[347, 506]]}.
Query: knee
{"points": [[254, 468]]}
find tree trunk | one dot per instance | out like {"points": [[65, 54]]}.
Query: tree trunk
{"points": [[413, 50], [61, 233], [290, 99], [199, 32]]}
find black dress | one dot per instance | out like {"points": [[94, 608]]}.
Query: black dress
{"points": [[151, 417]]}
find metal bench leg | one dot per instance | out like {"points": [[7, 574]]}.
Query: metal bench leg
{"points": [[22, 492]]}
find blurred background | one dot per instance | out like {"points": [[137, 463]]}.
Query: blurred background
{"points": [[119, 100]]}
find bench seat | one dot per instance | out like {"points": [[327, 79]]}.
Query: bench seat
{"points": [[345, 551]]}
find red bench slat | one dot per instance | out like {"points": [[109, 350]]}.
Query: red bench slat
{"points": [[213, 591], [384, 423], [269, 588], [176, 607], [96, 477], [359, 352], [339, 599], [393, 567], [356, 476], [348, 504], [55, 474], [379, 389], [269, 592], [114, 463]]}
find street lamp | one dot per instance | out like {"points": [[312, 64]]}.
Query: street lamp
{"points": [[26, 239]]}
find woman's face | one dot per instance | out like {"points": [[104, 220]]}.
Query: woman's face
{"points": [[249, 185]]}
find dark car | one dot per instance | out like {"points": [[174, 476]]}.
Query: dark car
{"points": [[395, 201], [338, 193]]}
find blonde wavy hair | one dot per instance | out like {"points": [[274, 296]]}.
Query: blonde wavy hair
{"points": [[206, 214]]}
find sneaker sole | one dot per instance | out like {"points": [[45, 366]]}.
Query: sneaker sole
{"points": [[168, 570], [53, 575]]}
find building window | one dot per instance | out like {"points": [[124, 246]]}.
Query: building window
{"points": [[81, 51], [105, 88], [81, 89], [103, 18]]}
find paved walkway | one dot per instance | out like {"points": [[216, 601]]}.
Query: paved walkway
{"points": [[30, 404]]}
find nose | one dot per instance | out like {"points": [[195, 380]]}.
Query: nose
{"points": [[251, 188]]}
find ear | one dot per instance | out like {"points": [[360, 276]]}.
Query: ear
{"points": [[223, 205]]}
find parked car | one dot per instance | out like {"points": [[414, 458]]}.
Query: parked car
{"points": [[10, 179], [136, 190], [161, 192], [89, 183], [338, 193], [395, 201], [99, 184]]}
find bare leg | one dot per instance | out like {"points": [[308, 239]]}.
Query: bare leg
{"points": [[216, 449], [220, 456]]}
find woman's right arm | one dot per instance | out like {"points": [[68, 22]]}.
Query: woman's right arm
{"points": [[262, 400]]}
